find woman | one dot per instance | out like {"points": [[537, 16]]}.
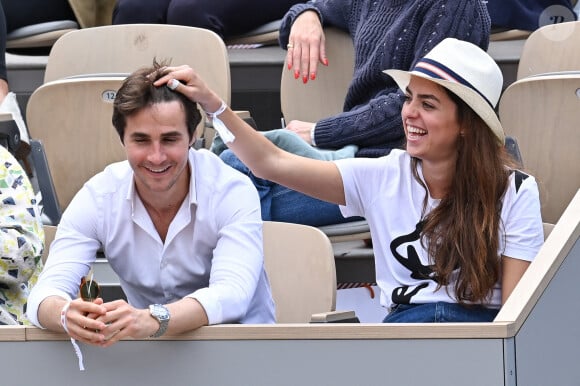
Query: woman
{"points": [[385, 34], [454, 226]]}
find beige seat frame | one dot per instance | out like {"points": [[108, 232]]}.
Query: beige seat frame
{"points": [[551, 48], [322, 98], [543, 112]]}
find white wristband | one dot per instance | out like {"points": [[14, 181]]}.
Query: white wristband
{"points": [[226, 135], [73, 342], [63, 316], [221, 109]]}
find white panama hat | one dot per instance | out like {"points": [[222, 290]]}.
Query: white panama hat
{"points": [[467, 71]]}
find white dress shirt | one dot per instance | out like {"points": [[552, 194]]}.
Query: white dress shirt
{"points": [[213, 250]]}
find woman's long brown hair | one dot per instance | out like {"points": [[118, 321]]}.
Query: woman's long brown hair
{"points": [[462, 233]]}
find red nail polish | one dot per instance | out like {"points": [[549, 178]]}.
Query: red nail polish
{"points": [[296, 74], [313, 76], [325, 61], [304, 79], [289, 66]]}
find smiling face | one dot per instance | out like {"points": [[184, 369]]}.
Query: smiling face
{"points": [[430, 121], [157, 145]]}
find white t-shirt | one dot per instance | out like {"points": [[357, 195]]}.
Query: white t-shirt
{"points": [[384, 191]]}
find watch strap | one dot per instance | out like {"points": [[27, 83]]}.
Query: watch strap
{"points": [[161, 314]]}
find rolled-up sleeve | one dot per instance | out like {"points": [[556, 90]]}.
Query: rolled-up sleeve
{"points": [[238, 262]]}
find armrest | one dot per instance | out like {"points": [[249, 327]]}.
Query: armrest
{"points": [[49, 201], [512, 34], [335, 317], [9, 133]]}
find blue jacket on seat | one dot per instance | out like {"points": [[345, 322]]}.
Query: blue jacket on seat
{"points": [[529, 15]]}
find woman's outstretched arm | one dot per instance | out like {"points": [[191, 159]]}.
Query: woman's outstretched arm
{"points": [[320, 179]]}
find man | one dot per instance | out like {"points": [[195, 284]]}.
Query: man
{"points": [[181, 230]]}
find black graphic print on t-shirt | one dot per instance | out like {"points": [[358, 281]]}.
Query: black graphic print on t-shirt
{"points": [[409, 258]]}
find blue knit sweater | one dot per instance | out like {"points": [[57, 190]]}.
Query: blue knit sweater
{"points": [[386, 34]]}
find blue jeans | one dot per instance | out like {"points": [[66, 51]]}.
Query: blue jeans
{"points": [[282, 204], [439, 312]]}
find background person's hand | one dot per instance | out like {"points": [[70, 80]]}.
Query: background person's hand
{"points": [[303, 129], [306, 46]]}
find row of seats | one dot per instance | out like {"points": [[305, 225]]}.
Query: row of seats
{"points": [[310, 108], [42, 36], [91, 80], [116, 56]]}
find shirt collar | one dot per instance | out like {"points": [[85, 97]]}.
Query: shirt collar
{"points": [[132, 191]]}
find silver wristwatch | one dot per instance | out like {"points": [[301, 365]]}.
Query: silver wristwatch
{"points": [[162, 315]]}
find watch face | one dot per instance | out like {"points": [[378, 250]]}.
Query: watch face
{"points": [[160, 312]]}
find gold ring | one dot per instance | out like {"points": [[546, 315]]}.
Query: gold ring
{"points": [[289, 45]]}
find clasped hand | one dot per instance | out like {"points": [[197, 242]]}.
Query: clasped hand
{"points": [[103, 324]]}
